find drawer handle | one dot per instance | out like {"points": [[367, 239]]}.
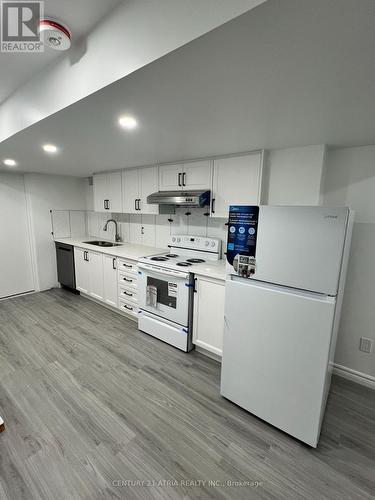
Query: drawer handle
{"points": [[128, 294], [128, 280], [128, 307], [127, 265]]}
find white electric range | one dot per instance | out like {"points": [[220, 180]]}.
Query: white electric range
{"points": [[166, 288]]}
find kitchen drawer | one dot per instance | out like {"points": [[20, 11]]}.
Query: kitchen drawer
{"points": [[127, 293], [128, 266], [128, 307], [127, 279]]}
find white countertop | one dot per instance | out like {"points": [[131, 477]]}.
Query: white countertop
{"points": [[125, 250], [210, 269]]}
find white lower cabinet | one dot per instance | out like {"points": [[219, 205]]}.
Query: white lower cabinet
{"points": [[89, 272], [82, 270], [127, 288], [208, 323], [96, 275], [110, 280]]}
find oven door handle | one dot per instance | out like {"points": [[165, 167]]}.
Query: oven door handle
{"points": [[175, 274]]}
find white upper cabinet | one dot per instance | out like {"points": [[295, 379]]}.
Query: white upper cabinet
{"points": [[197, 175], [236, 181], [148, 183], [114, 192], [170, 177], [137, 184], [185, 176], [100, 192], [130, 190], [107, 192]]}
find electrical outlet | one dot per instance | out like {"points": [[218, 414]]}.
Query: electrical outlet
{"points": [[365, 344]]}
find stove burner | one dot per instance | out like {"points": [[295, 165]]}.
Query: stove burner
{"points": [[183, 264], [172, 255], [159, 258], [196, 261]]}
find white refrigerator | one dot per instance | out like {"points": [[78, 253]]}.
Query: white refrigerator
{"points": [[281, 321]]}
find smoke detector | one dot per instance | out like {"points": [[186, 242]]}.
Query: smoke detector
{"points": [[55, 35]]}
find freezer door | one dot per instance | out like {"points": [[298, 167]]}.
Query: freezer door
{"points": [[301, 247], [275, 355]]}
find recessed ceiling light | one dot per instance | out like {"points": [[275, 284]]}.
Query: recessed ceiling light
{"points": [[49, 148], [127, 121], [10, 163]]}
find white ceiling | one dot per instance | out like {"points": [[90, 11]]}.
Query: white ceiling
{"points": [[79, 15], [289, 73]]}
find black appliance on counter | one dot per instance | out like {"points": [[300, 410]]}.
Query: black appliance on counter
{"points": [[65, 266]]}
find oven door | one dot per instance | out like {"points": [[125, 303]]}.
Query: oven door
{"points": [[164, 292]]}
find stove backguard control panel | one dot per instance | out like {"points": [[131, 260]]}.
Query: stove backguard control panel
{"points": [[201, 243]]}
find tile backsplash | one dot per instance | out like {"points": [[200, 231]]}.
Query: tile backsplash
{"points": [[142, 229], [154, 230]]}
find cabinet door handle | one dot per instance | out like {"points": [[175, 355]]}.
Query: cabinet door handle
{"points": [[142, 230], [179, 179], [128, 307], [106, 204], [138, 204], [213, 205], [135, 204], [114, 263], [184, 179], [195, 288]]}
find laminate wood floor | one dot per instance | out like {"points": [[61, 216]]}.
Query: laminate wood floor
{"points": [[94, 409]]}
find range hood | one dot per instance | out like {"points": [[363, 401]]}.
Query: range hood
{"points": [[196, 198]]}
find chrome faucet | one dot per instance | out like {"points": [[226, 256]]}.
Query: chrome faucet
{"points": [[117, 236]]}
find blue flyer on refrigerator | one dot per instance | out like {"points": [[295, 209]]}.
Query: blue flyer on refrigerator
{"points": [[242, 231]]}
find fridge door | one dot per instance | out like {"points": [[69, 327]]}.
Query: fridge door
{"points": [[301, 247], [275, 354]]}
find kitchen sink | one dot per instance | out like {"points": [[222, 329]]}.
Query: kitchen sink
{"points": [[102, 243]]}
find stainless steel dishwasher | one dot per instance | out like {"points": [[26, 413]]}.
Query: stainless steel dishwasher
{"points": [[65, 266]]}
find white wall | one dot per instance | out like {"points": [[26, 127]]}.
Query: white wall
{"points": [[293, 176], [16, 269], [45, 193], [350, 181]]}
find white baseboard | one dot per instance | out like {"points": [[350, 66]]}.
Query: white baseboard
{"points": [[354, 375], [207, 353]]}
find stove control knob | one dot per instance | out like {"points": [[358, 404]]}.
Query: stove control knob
{"points": [[213, 243], [207, 243], [173, 239], [178, 240]]}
